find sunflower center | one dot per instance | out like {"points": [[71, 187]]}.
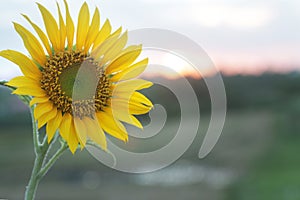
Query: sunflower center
{"points": [[80, 78], [76, 84]]}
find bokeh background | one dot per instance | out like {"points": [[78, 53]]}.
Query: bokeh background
{"points": [[254, 44]]}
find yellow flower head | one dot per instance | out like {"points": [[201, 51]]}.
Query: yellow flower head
{"points": [[81, 83]]}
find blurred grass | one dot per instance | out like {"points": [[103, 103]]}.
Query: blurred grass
{"points": [[276, 174], [70, 179]]}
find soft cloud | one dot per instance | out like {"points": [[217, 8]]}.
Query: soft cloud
{"points": [[231, 16], [237, 17]]}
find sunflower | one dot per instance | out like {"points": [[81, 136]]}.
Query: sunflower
{"points": [[82, 83]]}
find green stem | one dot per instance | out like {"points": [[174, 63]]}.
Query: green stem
{"points": [[34, 179], [40, 167], [36, 141], [52, 160], [38, 162]]}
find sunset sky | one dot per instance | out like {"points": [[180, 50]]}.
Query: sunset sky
{"points": [[240, 36]]}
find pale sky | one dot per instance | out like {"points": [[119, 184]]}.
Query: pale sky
{"points": [[240, 36]]}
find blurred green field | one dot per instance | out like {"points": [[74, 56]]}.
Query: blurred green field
{"points": [[82, 177], [275, 175]]}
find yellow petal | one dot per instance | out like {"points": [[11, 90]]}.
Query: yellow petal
{"points": [[65, 126], [131, 85], [81, 130], [62, 29], [42, 108], [108, 41], [116, 33], [95, 132], [39, 100], [127, 117], [51, 27], [93, 31], [112, 52], [46, 117], [103, 34], [123, 61], [53, 125], [131, 72], [41, 34], [135, 97], [73, 140], [138, 97], [69, 26], [32, 44], [111, 125], [23, 81], [26, 65], [82, 26], [130, 49], [135, 108], [36, 91], [131, 102], [104, 47]]}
